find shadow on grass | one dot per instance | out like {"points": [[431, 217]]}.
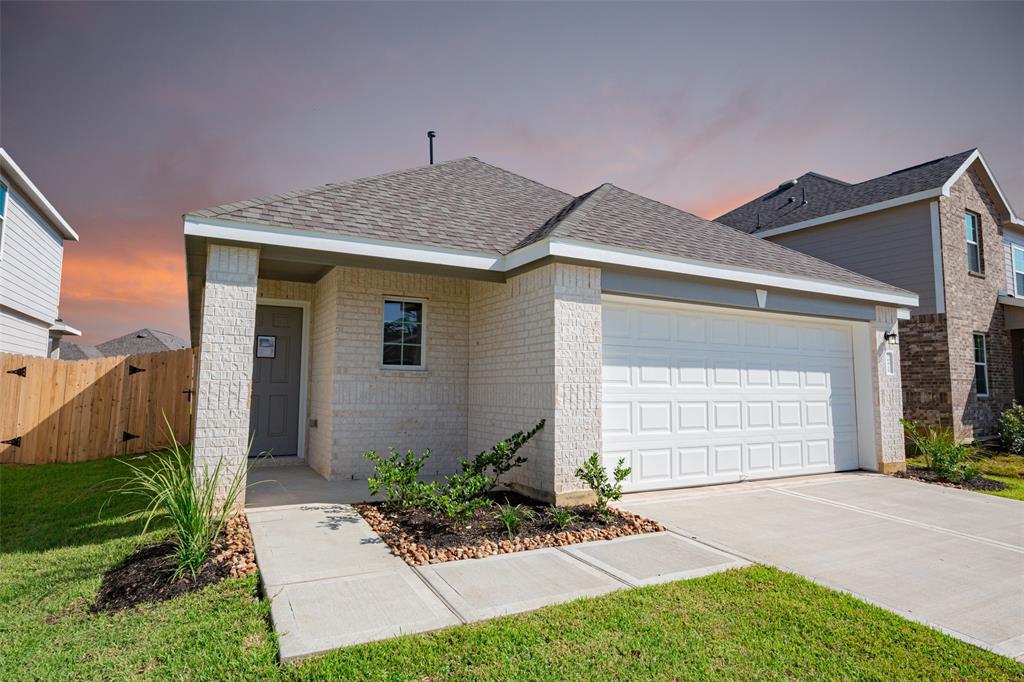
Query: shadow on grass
{"points": [[48, 506]]}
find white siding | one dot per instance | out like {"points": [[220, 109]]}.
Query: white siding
{"points": [[22, 335], [31, 263], [1009, 239]]}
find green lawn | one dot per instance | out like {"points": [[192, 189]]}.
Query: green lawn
{"points": [[756, 622], [1002, 467]]}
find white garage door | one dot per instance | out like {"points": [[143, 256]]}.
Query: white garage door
{"points": [[696, 395]]}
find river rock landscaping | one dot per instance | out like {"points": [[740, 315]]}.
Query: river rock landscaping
{"points": [[420, 537], [979, 483]]}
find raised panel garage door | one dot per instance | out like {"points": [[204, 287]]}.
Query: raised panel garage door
{"points": [[695, 395]]}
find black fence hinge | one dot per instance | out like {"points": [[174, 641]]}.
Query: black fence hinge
{"points": [[188, 392], [16, 441], [132, 369], [125, 436], [21, 371]]}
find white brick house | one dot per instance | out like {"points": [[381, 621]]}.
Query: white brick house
{"points": [[448, 306]]}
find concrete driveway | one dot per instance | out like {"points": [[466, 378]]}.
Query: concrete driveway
{"points": [[948, 558]]}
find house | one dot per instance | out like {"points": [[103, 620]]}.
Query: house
{"points": [[450, 305], [944, 230], [139, 341], [32, 236]]}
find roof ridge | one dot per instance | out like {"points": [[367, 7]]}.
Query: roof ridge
{"points": [[966, 152], [517, 175], [826, 177], [549, 225], [318, 189]]}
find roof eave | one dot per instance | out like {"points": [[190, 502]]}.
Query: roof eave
{"points": [[12, 169]]}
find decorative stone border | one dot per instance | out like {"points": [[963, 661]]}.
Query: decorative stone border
{"points": [[405, 546]]}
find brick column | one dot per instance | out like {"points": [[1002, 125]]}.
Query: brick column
{"points": [[225, 359], [889, 443], [578, 360]]}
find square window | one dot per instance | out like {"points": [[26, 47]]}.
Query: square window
{"points": [[402, 338]]}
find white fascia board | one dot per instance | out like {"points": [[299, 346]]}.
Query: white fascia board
{"points": [[12, 169], [61, 328], [976, 156], [618, 256], [301, 239], [852, 213], [316, 241]]}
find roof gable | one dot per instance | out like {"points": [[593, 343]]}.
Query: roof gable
{"points": [[815, 196]]}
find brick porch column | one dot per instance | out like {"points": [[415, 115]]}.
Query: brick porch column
{"points": [[889, 443], [225, 360]]}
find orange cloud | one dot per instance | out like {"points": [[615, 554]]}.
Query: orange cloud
{"points": [[138, 277]]}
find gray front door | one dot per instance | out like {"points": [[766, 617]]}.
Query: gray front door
{"points": [[277, 366]]}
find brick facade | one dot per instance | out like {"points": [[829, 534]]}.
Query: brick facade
{"points": [[924, 351], [225, 360]]}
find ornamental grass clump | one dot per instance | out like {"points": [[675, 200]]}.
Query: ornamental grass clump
{"points": [[512, 517], [197, 505], [942, 451]]}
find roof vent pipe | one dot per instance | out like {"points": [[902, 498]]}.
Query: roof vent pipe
{"points": [[430, 140], [803, 196]]}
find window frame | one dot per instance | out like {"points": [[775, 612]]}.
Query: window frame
{"points": [[384, 300], [1014, 248], [983, 363], [978, 243]]}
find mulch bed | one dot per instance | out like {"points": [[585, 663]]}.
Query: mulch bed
{"points": [[146, 576], [420, 537], [929, 476]]}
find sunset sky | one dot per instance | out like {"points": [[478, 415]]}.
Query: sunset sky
{"points": [[128, 115]]}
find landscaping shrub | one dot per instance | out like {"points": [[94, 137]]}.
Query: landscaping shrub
{"points": [[396, 478], [512, 517], [950, 459], [563, 516], [502, 457], [197, 506], [1011, 429], [460, 495], [593, 473]]}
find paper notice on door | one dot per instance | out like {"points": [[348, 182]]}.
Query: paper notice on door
{"points": [[266, 346]]}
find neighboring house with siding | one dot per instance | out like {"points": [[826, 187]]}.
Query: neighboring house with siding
{"points": [[32, 236], [449, 306], [945, 230]]}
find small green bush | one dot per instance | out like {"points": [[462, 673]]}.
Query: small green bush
{"points": [[502, 458], [563, 517], [459, 496], [1011, 429], [396, 478], [198, 506], [512, 517], [943, 453], [593, 473]]}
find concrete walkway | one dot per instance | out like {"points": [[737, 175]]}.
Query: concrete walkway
{"points": [[332, 582], [948, 558]]}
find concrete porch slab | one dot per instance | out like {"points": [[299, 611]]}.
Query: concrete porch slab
{"points": [[654, 558], [478, 589], [280, 486], [314, 617], [316, 541]]}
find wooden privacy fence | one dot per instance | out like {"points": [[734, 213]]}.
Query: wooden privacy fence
{"points": [[77, 410]]}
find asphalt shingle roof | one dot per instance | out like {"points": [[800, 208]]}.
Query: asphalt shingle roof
{"points": [[469, 204], [825, 196], [140, 341]]}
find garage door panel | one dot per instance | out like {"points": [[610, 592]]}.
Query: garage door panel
{"points": [[693, 397]]}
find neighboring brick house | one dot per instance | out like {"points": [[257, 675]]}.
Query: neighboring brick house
{"points": [[944, 230], [448, 306]]}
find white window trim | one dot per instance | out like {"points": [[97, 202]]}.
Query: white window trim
{"points": [[976, 244], [984, 349], [3, 216], [1014, 248], [303, 365], [422, 367]]}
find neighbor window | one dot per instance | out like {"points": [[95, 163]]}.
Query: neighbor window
{"points": [[403, 334], [972, 227], [1018, 270], [3, 216], [980, 365]]}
